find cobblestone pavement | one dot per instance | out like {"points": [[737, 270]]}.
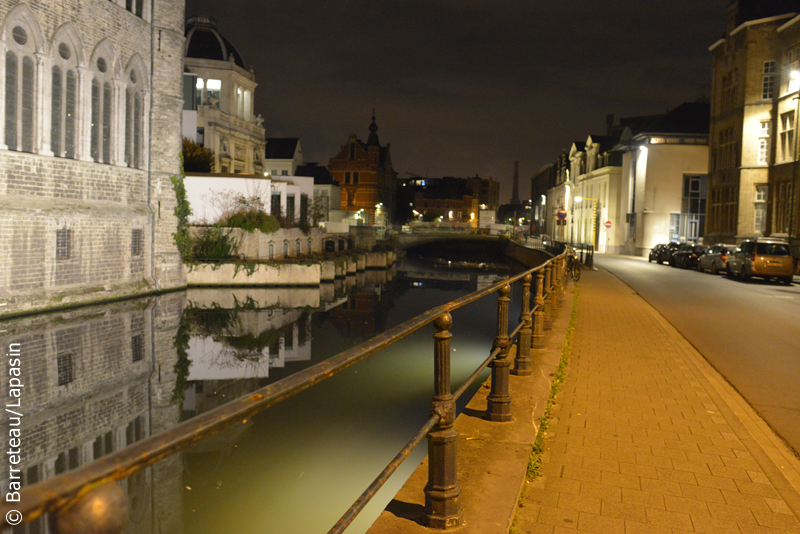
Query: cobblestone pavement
{"points": [[643, 441]]}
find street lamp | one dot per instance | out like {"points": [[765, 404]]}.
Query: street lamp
{"points": [[594, 214]]}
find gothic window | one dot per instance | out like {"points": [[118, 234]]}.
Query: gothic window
{"points": [[63, 104], [102, 95], [134, 113], [20, 88]]}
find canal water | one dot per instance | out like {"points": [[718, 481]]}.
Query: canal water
{"points": [[98, 379]]}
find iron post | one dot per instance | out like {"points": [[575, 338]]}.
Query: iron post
{"points": [[548, 297], [538, 314], [522, 363], [442, 505], [498, 406]]}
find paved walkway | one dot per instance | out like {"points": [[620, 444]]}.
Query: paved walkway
{"points": [[646, 438]]}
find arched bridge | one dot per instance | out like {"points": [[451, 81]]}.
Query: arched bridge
{"points": [[408, 240]]}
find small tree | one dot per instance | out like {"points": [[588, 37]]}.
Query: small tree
{"points": [[197, 158]]}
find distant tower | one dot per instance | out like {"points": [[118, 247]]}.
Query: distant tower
{"points": [[515, 190]]}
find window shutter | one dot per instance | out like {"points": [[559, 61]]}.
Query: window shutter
{"points": [[69, 119], [11, 101], [55, 113], [95, 120], [107, 122], [27, 104]]}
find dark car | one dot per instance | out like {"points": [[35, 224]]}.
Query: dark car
{"points": [[654, 252], [665, 253], [686, 256]]}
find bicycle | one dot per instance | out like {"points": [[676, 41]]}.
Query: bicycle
{"points": [[573, 267]]}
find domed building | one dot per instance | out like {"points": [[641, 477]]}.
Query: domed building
{"points": [[218, 100]]}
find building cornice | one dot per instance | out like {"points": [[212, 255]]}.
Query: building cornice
{"points": [[792, 22], [762, 21], [715, 45]]}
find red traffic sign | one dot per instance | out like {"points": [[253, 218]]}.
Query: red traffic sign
{"points": [[607, 224], [561, 214]]}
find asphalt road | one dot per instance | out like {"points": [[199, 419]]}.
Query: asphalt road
{"points": [[749, 331]]}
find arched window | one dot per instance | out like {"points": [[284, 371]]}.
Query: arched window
{"points": [[134, 112], [20, 89], [63, 104], [102, 95]]}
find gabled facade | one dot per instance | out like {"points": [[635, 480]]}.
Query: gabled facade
{"points": [[218, 100], [597, 186], [753, 162], [365, 173], [282, 156]]}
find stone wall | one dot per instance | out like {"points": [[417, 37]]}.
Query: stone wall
{"points": [[67, 226]]}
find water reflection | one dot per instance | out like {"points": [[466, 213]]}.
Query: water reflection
{"points": [[98, 379]]}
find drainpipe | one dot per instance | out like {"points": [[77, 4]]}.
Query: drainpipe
{"points": [[150, 152]]}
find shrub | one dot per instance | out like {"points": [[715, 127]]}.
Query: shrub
{"points": [[215, 244], [252, 220]]}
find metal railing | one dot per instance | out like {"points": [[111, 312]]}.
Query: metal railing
{"points": [[75, 497]]}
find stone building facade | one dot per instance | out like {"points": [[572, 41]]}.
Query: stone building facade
{"points": [[88, 143], [753, 142], [218, 100]]}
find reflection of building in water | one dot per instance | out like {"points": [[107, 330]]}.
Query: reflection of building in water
{"points": [[237, 337], [364, 313], [88, 392]]}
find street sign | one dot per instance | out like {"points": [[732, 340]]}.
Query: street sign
{"points": [[607, 224], [561, 214]]}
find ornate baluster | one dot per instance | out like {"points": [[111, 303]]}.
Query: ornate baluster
{"points": [[522, 363], [498, 407], [442, 505]]}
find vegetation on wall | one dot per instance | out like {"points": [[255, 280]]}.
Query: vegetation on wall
{"points": [[215, 243], [182, 211]]}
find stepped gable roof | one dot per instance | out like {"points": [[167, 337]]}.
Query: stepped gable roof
{"points": [[280, 147], [203, 41], [688, 118]]}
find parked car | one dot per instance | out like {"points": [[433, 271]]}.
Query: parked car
{"points": [[686, 256], [654, 252], [716, 258], [765, 257], [666, 253]]}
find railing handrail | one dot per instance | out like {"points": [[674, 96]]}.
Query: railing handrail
{"points": [[54, 493]]}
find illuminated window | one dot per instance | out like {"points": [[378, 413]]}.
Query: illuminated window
{"points": [[763, 142], [760, 222], [787, 135]]}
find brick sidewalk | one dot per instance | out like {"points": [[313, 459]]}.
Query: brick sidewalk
{"points": [[641, 442]]}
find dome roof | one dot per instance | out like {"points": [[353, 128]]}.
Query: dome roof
{"points": [[203, 41]]}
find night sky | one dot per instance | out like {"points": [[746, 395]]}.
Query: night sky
{"points": [[465, 87]]}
